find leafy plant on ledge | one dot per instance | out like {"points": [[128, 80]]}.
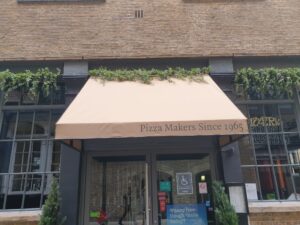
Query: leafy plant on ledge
{"points": [[146, 76], [50, 212], [224, 211], [33, 83], [268, 83]]}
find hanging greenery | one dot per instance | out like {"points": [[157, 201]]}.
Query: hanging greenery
{"points": [[224, 211], [267, 82], [43, 80], [146, 76]]}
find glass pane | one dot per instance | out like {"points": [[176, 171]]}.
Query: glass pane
{"points": [[184, 186], [32, 201], [55, 156], [18, 182], [252, 183], [117, 193], [272, 118], [261, 148], [24, 125], [266, 178], [55, 115], [8, 125], [293, 146], [44, 99], [41, 123], [38, 156], [246, 151], [4, 181], [14, 201], [255, 110], [59, 95], [5, 154], [21, 156], [277, 148], [288, 117], [34, 182], [284, 181], [296, 177]]}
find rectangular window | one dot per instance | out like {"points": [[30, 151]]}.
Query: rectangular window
{"points": [[29, 153], [270, 155]]}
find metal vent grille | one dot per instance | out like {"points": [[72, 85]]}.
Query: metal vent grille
{"points": [[139, 13]]}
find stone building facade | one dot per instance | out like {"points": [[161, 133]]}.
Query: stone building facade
{"points": [[78, 35]]}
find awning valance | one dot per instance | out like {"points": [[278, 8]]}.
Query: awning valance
{"points": [[162, 108]]}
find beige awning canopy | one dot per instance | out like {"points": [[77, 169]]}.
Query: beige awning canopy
{"points": [[162, 108]]}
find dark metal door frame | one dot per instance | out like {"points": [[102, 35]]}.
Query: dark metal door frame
{"points": [[150, 162]]}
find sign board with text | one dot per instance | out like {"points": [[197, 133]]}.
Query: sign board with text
{"points": [[186, 214]]}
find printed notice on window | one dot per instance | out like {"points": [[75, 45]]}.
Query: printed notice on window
{"points": [[251, 191]]}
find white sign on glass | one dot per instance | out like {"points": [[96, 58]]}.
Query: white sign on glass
{"points": [[237, 198], [202, 188], [251, 191]]}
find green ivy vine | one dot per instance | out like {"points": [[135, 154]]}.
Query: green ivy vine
{"points": [[146, 76], [33, 83], [268, 83], [252, 83]]}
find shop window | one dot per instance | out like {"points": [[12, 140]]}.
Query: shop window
{"points": [[270, 155], [28, 151]]}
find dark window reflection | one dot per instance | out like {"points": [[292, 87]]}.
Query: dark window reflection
{"points": [[55, 115], [284, 181], [41, 123], [288, 117], [267, 182], [55, 156], [5, 154], [24, 126], [8, 125]]}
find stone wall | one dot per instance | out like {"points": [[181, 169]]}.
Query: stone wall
{"points": [[274, 213], [275, 218], [20, 218], [169, 28]]}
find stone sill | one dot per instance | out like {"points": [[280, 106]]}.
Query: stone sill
{"points": [[262, 207], [8, 216]]}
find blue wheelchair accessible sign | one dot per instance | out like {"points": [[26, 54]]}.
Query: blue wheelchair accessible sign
{"points": [[186, 214]]}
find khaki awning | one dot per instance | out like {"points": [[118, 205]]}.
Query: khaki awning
{"points": [[163, 108]]}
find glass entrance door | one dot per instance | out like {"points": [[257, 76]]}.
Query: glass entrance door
{"points": [[118, 191], [183, 190], [153, 189]]}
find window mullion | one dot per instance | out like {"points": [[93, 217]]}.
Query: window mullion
{"points": [[271, 157], [255, 158], [28, 160], [297, 109], [286, 150]]}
